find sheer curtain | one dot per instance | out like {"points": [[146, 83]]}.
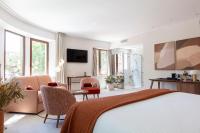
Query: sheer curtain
{"points": [[60, 74], [110, 63], [94, 66]]}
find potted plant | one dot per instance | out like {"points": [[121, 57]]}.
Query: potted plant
{"points": [[120, 82], [109, 81], [9, 91]]}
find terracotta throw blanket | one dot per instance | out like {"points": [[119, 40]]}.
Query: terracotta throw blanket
{"points": [[82, 116]]}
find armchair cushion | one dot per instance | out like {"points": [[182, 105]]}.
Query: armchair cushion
{"points": [[85, 85], [52, 84], [29, 87], [92, 90]]}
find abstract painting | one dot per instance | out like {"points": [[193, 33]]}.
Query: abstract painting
{"points": [[188, 54], [165, 56]]}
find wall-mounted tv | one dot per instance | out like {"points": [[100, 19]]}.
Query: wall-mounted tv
{"points": [[77, 56]]}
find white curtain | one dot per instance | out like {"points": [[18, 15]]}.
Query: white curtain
{"points": [[110, 63], [94, 65], [60, 74]]}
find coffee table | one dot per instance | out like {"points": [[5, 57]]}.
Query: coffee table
{"points": [[81, 92]]}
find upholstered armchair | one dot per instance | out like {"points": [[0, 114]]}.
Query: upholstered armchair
{"points": [[32, 102], [91, 85], [57, 100]]}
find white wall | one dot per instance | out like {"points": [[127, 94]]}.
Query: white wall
{"points": [[78, 69], [187, 29]]}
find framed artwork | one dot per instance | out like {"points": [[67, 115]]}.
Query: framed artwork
{"points": [[188, 54], [179, 55], [165, 56]]}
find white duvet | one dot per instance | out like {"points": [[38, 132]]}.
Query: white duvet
{"points": [[171, 113]]}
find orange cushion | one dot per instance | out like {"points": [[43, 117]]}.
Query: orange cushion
{"points": [[29, 87], [92, 90]]}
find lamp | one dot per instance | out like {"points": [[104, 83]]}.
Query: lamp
{"points": [[194, 75], [60, 65]]}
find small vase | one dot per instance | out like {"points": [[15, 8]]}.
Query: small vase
{"points": [[120, 86], [110, 86], [1, 121]]}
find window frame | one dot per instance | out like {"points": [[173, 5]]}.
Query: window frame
{"points": [[47, 54], [24, 58], [99, 61]]}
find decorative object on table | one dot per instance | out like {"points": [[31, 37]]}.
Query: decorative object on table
{"points": [[9, 91], [85, 74], [119, 80], [194, 75], [174, 76], [185, 76], [110, 80]]}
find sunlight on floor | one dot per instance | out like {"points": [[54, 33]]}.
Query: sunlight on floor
{"points": [[13, 119]]}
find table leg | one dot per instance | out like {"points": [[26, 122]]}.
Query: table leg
{"points": [[151, 85], [86, 96], [178, 87], [68, 83], [158, 84], [83, 97]]}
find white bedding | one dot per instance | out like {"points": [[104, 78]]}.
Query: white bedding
{"points": [[170, 113]]}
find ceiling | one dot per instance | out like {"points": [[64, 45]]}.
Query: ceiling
{"points": [[105, 20]]}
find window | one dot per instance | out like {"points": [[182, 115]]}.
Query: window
{"points": [[119, 63], [14, 54], [102, 62], [39, 57]]}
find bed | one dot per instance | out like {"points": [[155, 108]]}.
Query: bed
{"points": [[169, 113]]}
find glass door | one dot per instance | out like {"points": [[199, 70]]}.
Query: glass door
{"points": [[136, 70]]}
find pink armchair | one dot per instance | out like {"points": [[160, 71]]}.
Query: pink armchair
{"points": [[91, 85], [56, 100]]}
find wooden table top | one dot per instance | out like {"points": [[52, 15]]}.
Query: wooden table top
{"points": [[78, 76], [174, 80], [79, 92]]}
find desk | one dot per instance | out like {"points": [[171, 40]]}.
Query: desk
{"points": [[159, 80], [69, 80], [183, 86]]}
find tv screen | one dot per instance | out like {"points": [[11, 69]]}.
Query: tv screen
{"points": [[76, 55]]}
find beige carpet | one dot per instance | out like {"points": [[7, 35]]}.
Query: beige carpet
{"points": [[21, 123]]}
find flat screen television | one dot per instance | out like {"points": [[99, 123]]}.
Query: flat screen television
{"points": [[77, 56]]}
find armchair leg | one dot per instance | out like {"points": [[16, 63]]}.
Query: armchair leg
{"points": [[98, 95], [45, 118], [58, 118], [86, 97], [94, 95]]}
